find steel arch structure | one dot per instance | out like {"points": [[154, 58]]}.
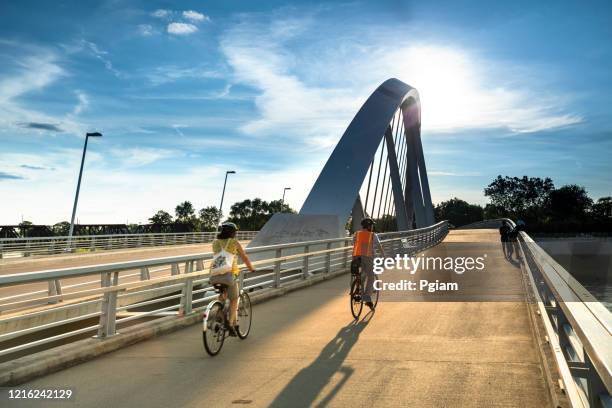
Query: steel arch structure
{"points": [[337, 188], [387, 128]]}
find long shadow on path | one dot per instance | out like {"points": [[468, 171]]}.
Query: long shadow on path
{"points": [[306, 386]]}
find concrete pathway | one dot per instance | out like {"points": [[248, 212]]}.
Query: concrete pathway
{"points": [[306, 350]]}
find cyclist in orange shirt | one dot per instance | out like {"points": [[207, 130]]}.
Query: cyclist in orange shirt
{"points": [[365, 243]]}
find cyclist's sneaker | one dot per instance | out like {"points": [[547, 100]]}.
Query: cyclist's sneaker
{"points": [[357, 298], [233, 331], [370, 305]]}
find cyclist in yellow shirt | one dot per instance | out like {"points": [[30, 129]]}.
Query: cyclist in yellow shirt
{"points": [[226, 240]]}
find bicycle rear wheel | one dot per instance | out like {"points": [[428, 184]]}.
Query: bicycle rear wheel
{"points": [[356, 298], [375, 297], [213, 334], [245, 315]]}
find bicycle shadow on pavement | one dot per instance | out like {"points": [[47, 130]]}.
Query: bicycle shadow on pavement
{"points": [[305, 387]]}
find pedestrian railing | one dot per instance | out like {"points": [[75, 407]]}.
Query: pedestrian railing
{"points": [[578, 327], [175, 285], [19, 247]]}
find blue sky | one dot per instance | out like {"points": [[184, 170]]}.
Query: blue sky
{"points": [[184, 91]]}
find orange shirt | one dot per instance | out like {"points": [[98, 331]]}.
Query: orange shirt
{"points": [[363, 243]]}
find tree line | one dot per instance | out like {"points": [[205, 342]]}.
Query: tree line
{"points": [[249, 215], [543, 207]]}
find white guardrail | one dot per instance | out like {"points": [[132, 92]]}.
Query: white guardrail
{"points": [[578, 327], [31, 320], [19, 247]]}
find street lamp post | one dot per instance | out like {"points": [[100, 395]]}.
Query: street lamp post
{"points": [[283, 200], [223, 193], [76, 196]]}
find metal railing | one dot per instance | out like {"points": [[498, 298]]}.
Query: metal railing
{"points": [[19, 247], [578, 327], [183, 290]]}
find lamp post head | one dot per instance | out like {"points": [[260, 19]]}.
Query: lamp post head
{"points": [[94, 134], [230, 172], [287, 188]]}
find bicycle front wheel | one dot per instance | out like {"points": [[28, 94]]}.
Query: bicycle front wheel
{"points": [[356, 298], [245, 315], [213, 334]]}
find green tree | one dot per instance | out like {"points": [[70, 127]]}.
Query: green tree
{"points": [[520, 197], [184, 211], [161, 217], [24, 228], [253, 214], [385, 223], [492, 211], [602, 209], [458, 212], [209, 218], [275, 206], [568, 203], [61, 228]]}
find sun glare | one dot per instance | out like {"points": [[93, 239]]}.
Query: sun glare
{"points": [[446, 82]]}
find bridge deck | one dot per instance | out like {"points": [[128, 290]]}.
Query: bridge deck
{"points": [[306, 350]]}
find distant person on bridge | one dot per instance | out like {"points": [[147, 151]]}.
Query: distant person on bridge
{"points": [[226, 241], [504, 232], [513, 237], [365, 244]]}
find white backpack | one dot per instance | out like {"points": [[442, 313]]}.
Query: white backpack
{"points": [[222, 261]]}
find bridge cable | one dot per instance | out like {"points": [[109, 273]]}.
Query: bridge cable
{"points": [[382, 150], [395, 132], [365, 205], [385, 180], [404, 166]]}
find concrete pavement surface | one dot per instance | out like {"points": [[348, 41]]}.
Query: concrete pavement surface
{"points": [[305, 349]]}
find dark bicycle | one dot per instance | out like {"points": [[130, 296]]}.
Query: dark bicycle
{"points": [[357, 289], [216, 321]]}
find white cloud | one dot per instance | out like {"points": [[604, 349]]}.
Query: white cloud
{"points": [[313, 92], [170, 73], [161, 13], [194, 16], [114, 194], [102, 56], [460, 90], [181, 28], [34, 73], [142, 156], [286, 104], [177, 127], [82, 104], [146, 30]]}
